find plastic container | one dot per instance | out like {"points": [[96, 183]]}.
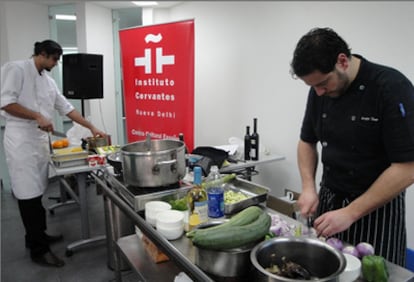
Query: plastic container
{"points": [[215, 195]]}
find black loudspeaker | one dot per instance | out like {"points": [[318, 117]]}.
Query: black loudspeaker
{"points": [[82, 76]]}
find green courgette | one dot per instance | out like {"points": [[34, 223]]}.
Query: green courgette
{"points": [[234, 236], [243, 217], [220, 181], [374, 269]]}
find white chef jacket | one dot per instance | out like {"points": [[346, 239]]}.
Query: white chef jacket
{"points": [[26, 146]]}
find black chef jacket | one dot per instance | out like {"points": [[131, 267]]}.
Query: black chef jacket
{"points": [[364, 130]]}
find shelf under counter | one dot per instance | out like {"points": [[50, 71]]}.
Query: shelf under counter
{"points": [[133, 251]]}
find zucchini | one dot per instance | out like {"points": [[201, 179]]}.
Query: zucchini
{"points": [[220, 181], [234, 236], [243, 217]]}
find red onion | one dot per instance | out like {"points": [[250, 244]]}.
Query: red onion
{"points": [[351, 250], [365, 249], [336, 243]]}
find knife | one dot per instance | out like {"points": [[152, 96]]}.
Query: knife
{"points": [[58, 133]]}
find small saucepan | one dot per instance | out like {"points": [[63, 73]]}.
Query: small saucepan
{"points": [[97, 141]]}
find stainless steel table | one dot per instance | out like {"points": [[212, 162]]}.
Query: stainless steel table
{"points": [[81, 173], [181, 251]]}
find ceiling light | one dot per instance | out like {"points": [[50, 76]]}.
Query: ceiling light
{"points": [[145, 3], [66, 17]]}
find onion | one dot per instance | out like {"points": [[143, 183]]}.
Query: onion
{"points": [[336, 243], [351, 250], [365, 249]]}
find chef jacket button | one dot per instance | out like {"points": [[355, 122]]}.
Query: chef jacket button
{"points": [[324, 143], [361, 87], [328, 168], [351, 172], [353, 118], [324, 115], [353, 148]]}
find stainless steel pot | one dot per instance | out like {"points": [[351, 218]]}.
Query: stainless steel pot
{"points": [[98, 141], [230, 263], [153, 164], [324, 262]]}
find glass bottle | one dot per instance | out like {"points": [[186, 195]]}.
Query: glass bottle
{"points": [[197, 201], [254, 142], [247, 144]]}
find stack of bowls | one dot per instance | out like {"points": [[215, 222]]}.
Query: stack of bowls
{"points": [[170, 224], [152, 208]]}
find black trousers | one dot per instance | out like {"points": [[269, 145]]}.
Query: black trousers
{"points": [[33, 215]]}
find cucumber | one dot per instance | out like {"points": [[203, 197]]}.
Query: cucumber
{"points": [[220, 181], [234, 236], [243, 217]]}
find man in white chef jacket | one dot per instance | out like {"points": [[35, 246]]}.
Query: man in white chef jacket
{"points": [[29, 97]]}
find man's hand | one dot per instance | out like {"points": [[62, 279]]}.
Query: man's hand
{"points": [[308, 202], [333, 222]]}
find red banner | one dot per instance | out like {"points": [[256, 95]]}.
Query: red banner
{"points": [[158, 77]]}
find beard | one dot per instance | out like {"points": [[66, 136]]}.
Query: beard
{"points": [[342, 85]]}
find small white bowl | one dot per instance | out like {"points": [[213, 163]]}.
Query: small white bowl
{"points": [[171, 233], [152, 208], [352, 269], [170, 219]]}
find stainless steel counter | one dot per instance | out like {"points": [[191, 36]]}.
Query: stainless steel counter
{"points": [[181, 251]]}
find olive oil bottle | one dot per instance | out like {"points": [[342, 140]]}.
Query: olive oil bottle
{"points": [[197, 201]]}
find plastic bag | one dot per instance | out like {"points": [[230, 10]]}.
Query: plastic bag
{"points": [[76, 133]]}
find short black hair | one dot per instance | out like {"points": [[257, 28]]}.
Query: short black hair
{"points": [[49, 47], [318, 50]]}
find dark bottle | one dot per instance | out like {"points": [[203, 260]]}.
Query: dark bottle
{"points": [[181, 137], [247, 143], [254, 149]]}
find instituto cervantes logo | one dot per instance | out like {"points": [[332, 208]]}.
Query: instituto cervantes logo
{"points": [[160, 58]]}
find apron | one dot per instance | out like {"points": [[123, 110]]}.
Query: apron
{"points": [[383, 228], [27, 156]]}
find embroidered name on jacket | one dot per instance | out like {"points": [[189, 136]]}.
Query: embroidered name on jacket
{"points": [[373, 119]]}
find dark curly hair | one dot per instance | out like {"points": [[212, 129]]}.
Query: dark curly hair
{"points": [[318, 50], [50, 47]]}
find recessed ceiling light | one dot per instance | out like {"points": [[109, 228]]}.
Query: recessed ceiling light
{"points": [[145, 3], [66, 17]]}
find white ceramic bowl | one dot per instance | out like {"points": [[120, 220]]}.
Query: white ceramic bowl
{"points": [[171, 233], [170, 219], [170, 224], [352, 269], [152, 208]]}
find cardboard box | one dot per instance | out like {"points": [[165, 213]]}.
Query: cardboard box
{"points": [[283, 205], [152, 250]]}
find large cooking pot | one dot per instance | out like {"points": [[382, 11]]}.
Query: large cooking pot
{"points": [[324, 262], [153, 163]]}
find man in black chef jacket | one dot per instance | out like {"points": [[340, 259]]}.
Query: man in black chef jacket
{"points": [[362, 114]]}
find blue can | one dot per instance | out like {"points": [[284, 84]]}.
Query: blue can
{"points": [[215, 202]]}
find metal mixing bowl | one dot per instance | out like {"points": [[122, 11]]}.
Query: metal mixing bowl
{"points": [[229, 264], [324, 262]]}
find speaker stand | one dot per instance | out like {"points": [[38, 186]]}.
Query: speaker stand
{"points": [[83, 107]]}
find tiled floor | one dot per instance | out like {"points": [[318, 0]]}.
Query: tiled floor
{"points": [[86, 264]]}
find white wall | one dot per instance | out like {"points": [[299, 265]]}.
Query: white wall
{"points": [[95, 37], [243, 51], [19, 31]]}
